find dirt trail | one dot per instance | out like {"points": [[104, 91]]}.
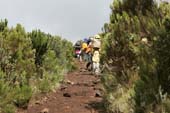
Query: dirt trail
{"points": [[80, 93]]}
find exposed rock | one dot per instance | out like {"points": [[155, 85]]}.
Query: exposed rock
{"points": [[38, 102], [70, 82], [45, 99], [67, 107], [97, 88], [98, 94], [54, 98], [92, 85], [67, 95], [86, 84], [63, 88], [54, 90], [45, 110], [97, 81], [78, 84]]}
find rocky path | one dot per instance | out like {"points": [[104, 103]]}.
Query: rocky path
{"points": [[79, 93]]}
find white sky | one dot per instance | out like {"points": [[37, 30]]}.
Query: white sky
{"points": [[71, 19]]}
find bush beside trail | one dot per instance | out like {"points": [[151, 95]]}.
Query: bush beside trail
{"points": [[135, 48], [30, 63]]}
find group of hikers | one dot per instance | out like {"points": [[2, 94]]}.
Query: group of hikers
{"points": [[88, 50]]}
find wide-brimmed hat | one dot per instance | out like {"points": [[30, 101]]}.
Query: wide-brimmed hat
{"points": [[97, 37]]}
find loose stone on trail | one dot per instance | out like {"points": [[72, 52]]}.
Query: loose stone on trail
{"points": [[67, 95], [63, 88], [38, 102], [98, 94], [45, 110]]}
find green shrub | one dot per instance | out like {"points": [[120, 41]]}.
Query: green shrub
{"points": [[166, 105], [22, 96], [138, 66], [9, 108], [6, 95], [30, 62], [44, 85]]}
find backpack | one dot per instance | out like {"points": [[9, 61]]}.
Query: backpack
{"points": [[77, 44], [96, 43]]}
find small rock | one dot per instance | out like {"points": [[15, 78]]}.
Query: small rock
{"points": [[86, 84], [38, 102], [97, 81], [78, 84], [45, 110], [63, 88], [66, 95], [92, 85], [69, 82], [45, 99], [96, 88], [98, 94], [92, 111], [72, 83], [53, 90], [67, 107], [54, 98], [94, 82]]}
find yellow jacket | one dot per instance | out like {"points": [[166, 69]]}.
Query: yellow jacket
{"points": [[84, 46]]}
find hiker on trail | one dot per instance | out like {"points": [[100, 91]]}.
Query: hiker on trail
{"points": [[77, 49], [89, 55], [83, 49], [96, 43]]}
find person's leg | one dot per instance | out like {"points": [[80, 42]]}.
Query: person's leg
{"points": [[88, 61], [87, 65], [80, 58], [83, 55], [97, 71], [86, 57], [94, 67]]}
